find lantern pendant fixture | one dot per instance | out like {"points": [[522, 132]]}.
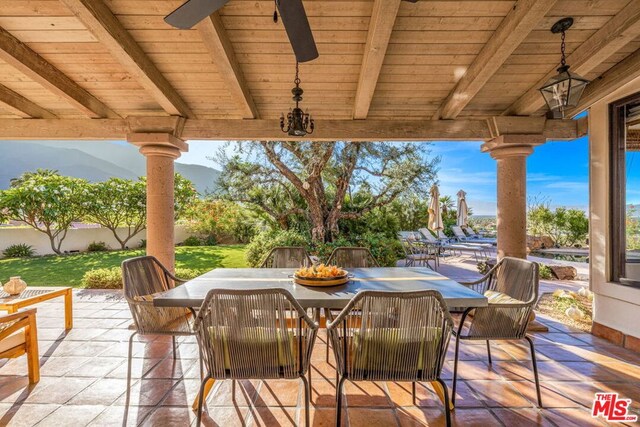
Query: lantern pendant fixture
{"points": [[299, 123], [563, 91]]}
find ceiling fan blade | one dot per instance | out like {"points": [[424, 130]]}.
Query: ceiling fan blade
{"points": [[193, 11], [296, 23]]}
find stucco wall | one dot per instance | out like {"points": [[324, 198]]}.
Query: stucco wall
{"points": [[615, 306], [76, 240]]}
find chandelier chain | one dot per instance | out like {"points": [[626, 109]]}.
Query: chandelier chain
{"points": [[297, 79], [563, 60]]}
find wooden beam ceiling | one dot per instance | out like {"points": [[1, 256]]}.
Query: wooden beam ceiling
{"points": [[615, 34], [105, 26], [380, 27], [219, 46], [21, 106], [326, 130], [29, 63], [617, 76], [513, 29]]}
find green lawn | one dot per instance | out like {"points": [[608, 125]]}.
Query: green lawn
{"points": [[67, 270]]}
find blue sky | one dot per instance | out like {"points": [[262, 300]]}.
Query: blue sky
{"points": [[557, 171]]}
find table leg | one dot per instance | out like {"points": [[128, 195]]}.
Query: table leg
{"points": [[207, 389], [440, 392], [68, 309]]}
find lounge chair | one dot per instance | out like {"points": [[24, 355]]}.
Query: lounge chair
{"points": [[463, 238], [18, 336], [475, 237], [478, 251]]}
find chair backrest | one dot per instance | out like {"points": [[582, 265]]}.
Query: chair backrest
{"points": [[514, 285], [352, 257], [517, 278], [142, 277], [427, 235], [254, 334], [392, 336], [457, 230], [287, 257]]}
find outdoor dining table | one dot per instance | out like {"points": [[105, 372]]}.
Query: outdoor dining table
{"points": [[192, 293]]}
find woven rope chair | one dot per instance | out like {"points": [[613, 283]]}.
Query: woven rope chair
{"points": [[391, 336], [254, 334], [352, 257], [287, 257], [512, 289], [143, 278], [419, 254]]}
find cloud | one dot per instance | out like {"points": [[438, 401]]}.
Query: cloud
{"points": [[573, 186]]}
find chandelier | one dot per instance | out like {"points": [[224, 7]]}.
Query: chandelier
{"points": [[298, 123], [563, 91]]}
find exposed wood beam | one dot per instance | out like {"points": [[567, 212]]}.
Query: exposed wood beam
{"points": [[513, 29], [620, 74], [383, 18], [326, 130], [105, 26], [29, 63], [21, 106], [611, 37], [215, 39]]}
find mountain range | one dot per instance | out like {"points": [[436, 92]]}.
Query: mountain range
{"points": [[91, 160]]}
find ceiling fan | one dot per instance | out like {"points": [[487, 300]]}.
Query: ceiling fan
{"points": [[291, 12]]}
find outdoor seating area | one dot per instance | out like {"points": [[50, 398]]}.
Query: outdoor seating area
{"points": [[84, 371]]}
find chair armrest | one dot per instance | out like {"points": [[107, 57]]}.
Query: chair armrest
{"points": [[18, 316]]}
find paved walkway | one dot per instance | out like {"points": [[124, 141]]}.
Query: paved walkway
{"points": [[83, 381]]}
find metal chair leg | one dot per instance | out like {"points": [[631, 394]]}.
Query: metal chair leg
{"points": [[339, 400], [447, 406], [129, 360], [535, 369], [307, 400], [233, 390], [413, 392], [173, 341], [201, 398], [489, 352], [455, 372]]}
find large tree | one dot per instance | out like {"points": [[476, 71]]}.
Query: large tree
{"points": [[46, 201], [317, 180]]}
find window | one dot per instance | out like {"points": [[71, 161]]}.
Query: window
{"points": [[625, 191]]}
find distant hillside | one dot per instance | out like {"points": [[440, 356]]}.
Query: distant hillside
{"points": [[91, 160]]}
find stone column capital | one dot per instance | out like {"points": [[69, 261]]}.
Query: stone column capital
{"points": [[158, 144], [505, 146]]}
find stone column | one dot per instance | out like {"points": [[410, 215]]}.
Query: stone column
{"points": [[160, 150], [510, 153]]}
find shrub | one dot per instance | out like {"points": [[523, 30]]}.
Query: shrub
{"points": [[97, 247], [143, 243], [19, 250], [210, 241], [545, 272], [111, 278], [103, 278], [262, 243], [192, 241]]}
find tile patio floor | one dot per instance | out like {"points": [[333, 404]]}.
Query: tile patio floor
{"points": [[83, 381]]}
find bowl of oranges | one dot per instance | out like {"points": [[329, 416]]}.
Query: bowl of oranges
{"points": [[321, 275]]}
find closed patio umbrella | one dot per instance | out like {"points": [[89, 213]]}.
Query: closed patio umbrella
{"points": [[463, 210], [435, 214]]}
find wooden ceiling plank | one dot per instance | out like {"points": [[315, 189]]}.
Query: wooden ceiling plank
{"points": [[29, 63], [106, 27], [215, 39], [619, 31], [511, 32], [21, 106], [383, 18], [624, 72]]}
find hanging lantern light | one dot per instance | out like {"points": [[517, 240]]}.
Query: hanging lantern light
{"points": [[298, 123], [563, 91]]}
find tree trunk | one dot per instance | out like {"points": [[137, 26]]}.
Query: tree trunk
{"points": [[55, 248]]}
